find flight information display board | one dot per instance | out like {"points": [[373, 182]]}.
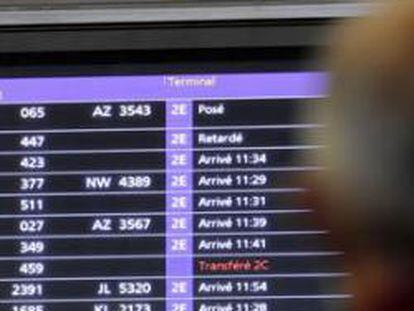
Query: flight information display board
{"points": [[161, 192]]}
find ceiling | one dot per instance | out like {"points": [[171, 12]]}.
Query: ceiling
{"points": [[46, 12], [58, 4]]}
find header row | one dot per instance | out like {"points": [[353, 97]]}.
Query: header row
{"points": [[161, 87]]}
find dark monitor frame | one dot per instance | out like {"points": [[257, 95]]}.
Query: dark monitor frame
{"points": [[264, 45]]}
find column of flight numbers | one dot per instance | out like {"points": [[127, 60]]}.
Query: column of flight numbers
{"points": [[30, 207], [139, 285], [58, 160]]}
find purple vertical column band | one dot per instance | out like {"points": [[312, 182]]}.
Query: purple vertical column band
{"points": [[179, 206]]}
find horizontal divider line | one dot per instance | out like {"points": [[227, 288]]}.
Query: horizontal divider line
{"points": [[215, 298], [160, 150], [163, 171], [161, 129], [161, 214], [196, 277], [163, 256], [163, 100], [155, 192], [160, 235]]}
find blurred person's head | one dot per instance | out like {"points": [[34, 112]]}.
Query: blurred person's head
{"points": [[366, 194]]}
